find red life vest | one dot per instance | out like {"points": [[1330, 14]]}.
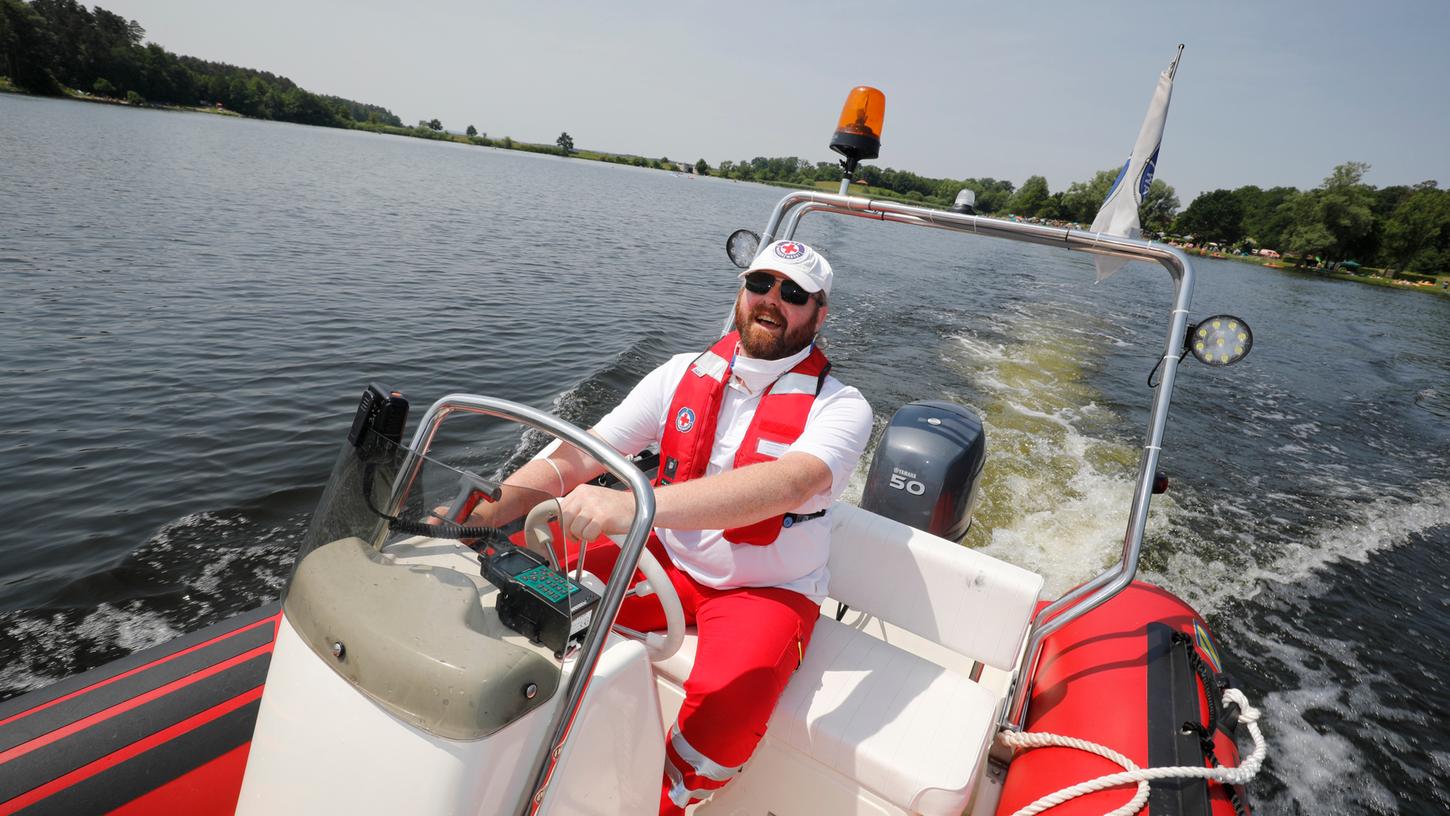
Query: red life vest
{"points": [[779, 421]]}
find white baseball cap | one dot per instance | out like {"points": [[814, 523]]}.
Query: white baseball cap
{"points": [[796, 261]]}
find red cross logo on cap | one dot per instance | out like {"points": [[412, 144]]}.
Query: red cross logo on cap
{"points": [[790, 250]]}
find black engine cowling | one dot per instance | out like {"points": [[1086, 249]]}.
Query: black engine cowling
{"points": [[925, 469]]}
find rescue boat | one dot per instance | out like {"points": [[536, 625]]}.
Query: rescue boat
{"points": [[415, 665]]}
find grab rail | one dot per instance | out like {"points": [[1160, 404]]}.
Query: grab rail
{"points": [[786, 217], [634, 541]]}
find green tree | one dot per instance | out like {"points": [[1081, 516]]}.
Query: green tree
{"points": [[471, 132], [1417, 234], [435, 125], [1055, 207], [1336, 219], [1030, 198], [1346, 208], [1307, 236], [48, 42], [507, 143], [1159, 207], [992, 194], [701, 168], [565, 143], [1266, 218], [1213, 216], [28, 50], [1083, 199]]}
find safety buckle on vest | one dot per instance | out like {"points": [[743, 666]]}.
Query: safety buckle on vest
{"points": [[790, 519]]}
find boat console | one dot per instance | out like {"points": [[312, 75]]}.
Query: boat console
{"points": [[468, 644]]}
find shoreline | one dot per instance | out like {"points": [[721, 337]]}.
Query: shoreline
{"points": [[628, 159], [6, 86], [504, 143], [1437, 288]]}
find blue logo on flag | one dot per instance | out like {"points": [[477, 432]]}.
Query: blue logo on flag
{"points": [[1148, 173]]}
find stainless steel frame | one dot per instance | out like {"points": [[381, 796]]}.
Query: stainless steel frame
{"points": [[783, 223], [634, 541]]}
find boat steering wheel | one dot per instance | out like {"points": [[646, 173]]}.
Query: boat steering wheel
{"points": [[540, 538]]}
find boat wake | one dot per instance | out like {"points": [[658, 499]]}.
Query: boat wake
{"points": [[1267, 557], [1059, 479], [1343, 640], [195, 571], [1233, 573]]}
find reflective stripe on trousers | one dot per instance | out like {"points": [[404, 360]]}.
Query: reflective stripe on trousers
{"points": [[682, 759]]}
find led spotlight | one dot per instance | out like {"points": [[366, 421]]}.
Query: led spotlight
{"points": [[741, 246], [1220, 340]]}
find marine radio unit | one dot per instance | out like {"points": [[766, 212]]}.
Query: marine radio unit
{"points": [[536, 601]]}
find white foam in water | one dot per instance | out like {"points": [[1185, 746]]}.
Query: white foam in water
{"points": [[1316, 763], [1074, 540], [1055, 491], [222, 543], [129, 627], [1382, 523]]}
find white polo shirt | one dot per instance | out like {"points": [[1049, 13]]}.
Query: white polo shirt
{"points": [[837, 430]]}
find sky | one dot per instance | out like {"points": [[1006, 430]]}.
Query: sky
{"points": [[1268, 93]]}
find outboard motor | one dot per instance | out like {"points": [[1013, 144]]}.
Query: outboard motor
{"points": [[924, 472]]}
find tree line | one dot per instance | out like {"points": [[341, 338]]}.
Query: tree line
{"points": [[1402, 227], [1406, 228], [47, 46], [1079, 202]]}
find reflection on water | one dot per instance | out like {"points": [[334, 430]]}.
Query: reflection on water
{"points": [[187, 332]]}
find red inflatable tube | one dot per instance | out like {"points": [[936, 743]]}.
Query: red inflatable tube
{"points": [[1121, 676]]}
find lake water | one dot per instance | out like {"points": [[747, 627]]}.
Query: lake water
{"points": [[192, 305]]}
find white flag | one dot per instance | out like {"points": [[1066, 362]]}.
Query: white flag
{"points": [[1119, 213]]}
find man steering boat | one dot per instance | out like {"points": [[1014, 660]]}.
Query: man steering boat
{"points": [[756, 441]]}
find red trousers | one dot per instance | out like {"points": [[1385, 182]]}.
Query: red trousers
{"points": [[750, 641]]}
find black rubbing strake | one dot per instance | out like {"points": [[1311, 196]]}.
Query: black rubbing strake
{"points": [[48, 762], [83, 705], [145, 772]]}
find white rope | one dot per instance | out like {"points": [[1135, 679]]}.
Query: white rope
{"points": [[1246, 770]]}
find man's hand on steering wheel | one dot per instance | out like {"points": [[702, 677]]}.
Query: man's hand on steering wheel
{"points": [[591, 511]]}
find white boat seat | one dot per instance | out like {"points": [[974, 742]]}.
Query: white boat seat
{"points": [[905, 728], [909, 730], [969, 602]]}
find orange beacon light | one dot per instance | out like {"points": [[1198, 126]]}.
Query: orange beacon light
{"points": [[858, 133]]}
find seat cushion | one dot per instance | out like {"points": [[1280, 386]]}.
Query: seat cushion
{"points": [[909, 730]]}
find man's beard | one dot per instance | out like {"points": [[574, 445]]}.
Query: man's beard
{"points": [[763, 343]]}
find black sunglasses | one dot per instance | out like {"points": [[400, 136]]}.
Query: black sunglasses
{"points": [[791, 292]]}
